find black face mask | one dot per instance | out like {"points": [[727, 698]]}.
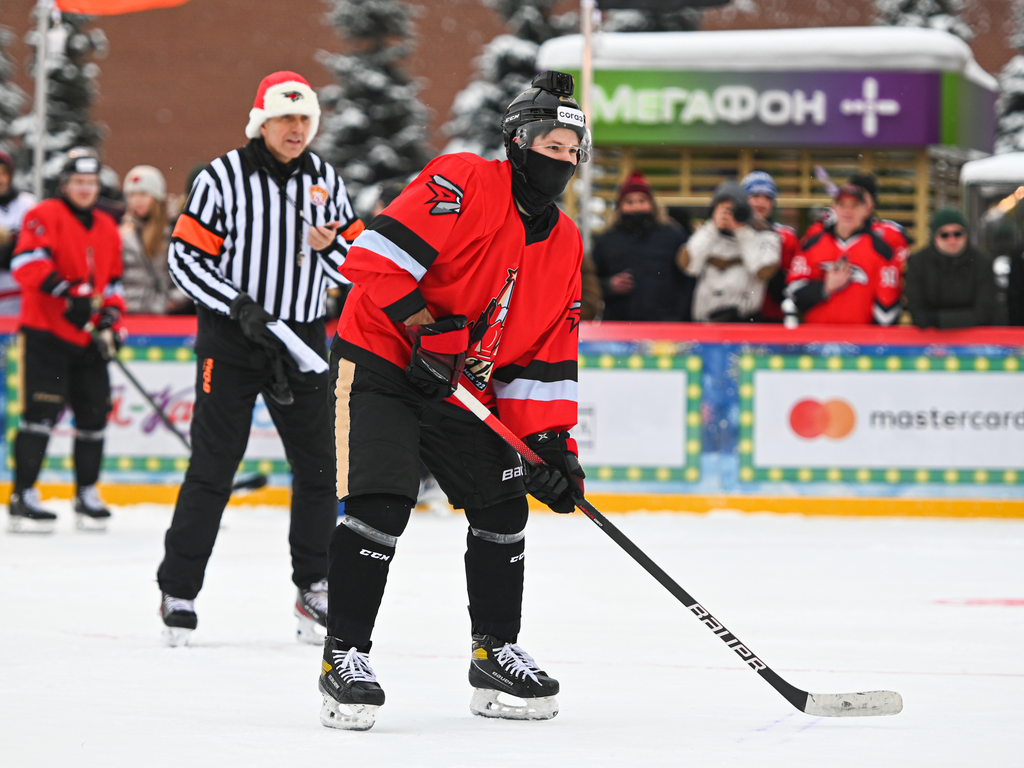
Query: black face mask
{"points": [[538, 180], [636, 222]]}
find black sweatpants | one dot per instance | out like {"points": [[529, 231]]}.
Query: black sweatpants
{"points": [[383, 429], [225, 396], [56, 373]]}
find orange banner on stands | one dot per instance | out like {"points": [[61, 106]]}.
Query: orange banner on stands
{"points": [[114, 7]]}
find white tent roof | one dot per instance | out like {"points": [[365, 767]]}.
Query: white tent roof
{"points": [[998, 169], [814, 49]]}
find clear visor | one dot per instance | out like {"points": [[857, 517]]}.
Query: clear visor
{"points": [[554, 138]]}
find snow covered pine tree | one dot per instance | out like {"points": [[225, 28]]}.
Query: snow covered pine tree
{"points": [[373, 127], [11, 96], [933, 14], [1010, 106]]}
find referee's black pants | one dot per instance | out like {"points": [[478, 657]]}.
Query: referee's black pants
{"points": [[225, 396]]}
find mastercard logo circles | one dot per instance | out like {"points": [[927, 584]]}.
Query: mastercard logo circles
{"points": [[834, 419]]}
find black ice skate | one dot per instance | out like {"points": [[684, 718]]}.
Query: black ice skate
{"points": [[505, 668], [179, 620], [351, 692], [91, 513], [311, 610], [27, 514]]}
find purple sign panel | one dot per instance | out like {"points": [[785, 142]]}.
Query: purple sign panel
{"points": [[767, 108]]}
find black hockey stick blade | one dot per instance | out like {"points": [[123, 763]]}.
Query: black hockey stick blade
{"points": [[253, 483], [864, 704]]}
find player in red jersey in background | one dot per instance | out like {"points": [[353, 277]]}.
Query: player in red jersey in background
{"points": [[471, 275], [847, 272]]}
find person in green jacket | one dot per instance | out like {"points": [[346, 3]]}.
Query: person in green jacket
{"points": [[949, 282]]}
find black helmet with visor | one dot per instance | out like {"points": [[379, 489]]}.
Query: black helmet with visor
{"points": [[540, 109]]}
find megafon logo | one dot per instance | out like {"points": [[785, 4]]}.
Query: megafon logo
{"points": [[834, 419]]}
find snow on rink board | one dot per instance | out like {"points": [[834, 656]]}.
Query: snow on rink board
{"points": [[931, 608]]}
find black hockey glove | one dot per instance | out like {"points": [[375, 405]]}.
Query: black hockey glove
{"points": [[77, 297], [438, 355], [560, 480], [253, 319]]}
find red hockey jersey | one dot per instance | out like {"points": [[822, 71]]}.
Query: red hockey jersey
{"points": [[894, 235], [454, 242], [771, 309], [871, 296], [52, 240]]}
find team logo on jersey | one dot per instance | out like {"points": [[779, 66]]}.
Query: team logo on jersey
{"points": [[293, 95], [857, 274], [446, 196], [317, 195], [574, 315], [485, 334]]}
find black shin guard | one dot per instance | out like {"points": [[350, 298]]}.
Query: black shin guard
{"points": [[361, 551], [88, 457], [495, 552], [29, 452]]}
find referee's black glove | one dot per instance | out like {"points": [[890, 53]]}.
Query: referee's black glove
{"points": [[438, 355], [560, 479], [253, 319]]}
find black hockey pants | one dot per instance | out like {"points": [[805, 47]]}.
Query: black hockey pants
{"points": [[225, 396]]}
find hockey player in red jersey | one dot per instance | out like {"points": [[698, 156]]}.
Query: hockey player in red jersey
{"points": [[68, 263], [471, 275], [847, 273]]}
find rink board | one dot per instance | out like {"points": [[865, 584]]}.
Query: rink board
{"points": [[848, 420]]}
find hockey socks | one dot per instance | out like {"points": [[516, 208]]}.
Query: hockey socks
{"points": [[350, 689], [495, 567], [29, 452], [88, 456]]}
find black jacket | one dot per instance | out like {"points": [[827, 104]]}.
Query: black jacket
{"points": [[663, 292], [950, 291]]}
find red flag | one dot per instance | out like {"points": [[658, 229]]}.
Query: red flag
{"points": [[114, 7]]}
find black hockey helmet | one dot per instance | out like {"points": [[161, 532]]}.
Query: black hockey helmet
{"points": [[547, 104], [80, 160]]}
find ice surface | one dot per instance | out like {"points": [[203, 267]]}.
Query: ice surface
{"points": [[924, 607], [772, 50]]}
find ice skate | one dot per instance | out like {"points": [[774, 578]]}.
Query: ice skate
{"points": [[351, 692], [27, 514], [311, 610], [499, 671], [90, 511], [179, 620]]}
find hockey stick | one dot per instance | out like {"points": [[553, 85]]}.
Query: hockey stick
{"points": [[819, 704], [244, 484]]}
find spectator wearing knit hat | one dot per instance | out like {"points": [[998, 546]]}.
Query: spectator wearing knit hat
{"points": [[761, 196], [144, 237], [13, 207], [949, 283], [636, 260]]}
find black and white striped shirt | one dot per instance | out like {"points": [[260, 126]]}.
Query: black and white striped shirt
{"points": [[240, 231]]}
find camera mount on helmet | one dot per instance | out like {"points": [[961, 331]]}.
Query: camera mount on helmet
{"points": [[543, 107]]}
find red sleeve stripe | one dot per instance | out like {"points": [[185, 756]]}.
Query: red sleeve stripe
{"points": [[355, 229]]}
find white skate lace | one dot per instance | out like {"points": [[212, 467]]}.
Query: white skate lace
{"points": [[316, 596], [517, 662], [90, 497], [30, 498], [172, 604], [354, 666]]}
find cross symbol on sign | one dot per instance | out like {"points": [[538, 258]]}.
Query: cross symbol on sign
{"points": [[870, 106]]}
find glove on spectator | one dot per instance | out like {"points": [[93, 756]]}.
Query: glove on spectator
{"points": [[560, 480], [253, 319], [438, 355], [77, 296]]}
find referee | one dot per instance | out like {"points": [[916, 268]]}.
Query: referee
{"points": [[264, 229]]}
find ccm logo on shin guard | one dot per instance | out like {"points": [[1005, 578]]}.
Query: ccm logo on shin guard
{"points": [[374, 555], [518, 557], [508, 474]]}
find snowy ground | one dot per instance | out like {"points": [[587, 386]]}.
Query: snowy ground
{"points": [[834, 605]]}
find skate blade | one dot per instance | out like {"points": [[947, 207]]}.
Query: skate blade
{"points": [[485, 703], [176, 637], [347, 717], [309, 631], [17, 524], [88, 524]]}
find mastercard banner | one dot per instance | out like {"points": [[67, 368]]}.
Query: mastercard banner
{"points": [[808, 418]]}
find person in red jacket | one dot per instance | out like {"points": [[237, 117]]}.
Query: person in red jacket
{"points": [[68, 263], [471, 276], [847, 273]]}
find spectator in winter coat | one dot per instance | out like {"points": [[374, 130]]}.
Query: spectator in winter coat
{"points": [[733, 254], [761, 193], [847, 273], [13, 207], [636, 260], [949, 283], [144, 238]]}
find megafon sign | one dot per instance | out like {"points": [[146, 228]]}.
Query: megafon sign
{"points": [[767, 108]]}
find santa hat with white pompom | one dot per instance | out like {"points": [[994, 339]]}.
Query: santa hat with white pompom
{"points": [[283, 93]]}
